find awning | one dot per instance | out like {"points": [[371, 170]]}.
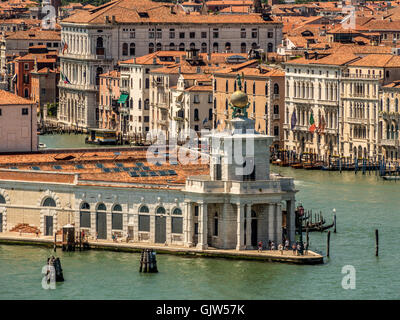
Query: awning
{"points": [[122, 98]]}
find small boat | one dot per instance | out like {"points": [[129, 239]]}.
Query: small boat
{"points": [[391, 178], [42, 145], [297, 166]]}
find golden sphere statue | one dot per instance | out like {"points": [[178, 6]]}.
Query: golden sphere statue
{"points": [[239, 99]]}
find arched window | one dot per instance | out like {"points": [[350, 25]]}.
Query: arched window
{"points": [[99, 71], [388, 104], [266, 89], [243, 47], [270, 47], [204, 47], [158, 47], [254, 45], [84, 215], [226, 86], [396, 105], [196, 114], [226, 104], [116, 221], [49, 202], [101, 207], [254, 87], [2, 200], [245, 86], [181, 47], [172, 46], [124, 49], [99, 46], [177, 222], [215, 47], [144, 220], [192, 46], [234, 86], [132, 49], [216, 224], [151, 47], [210, 115], [160, 210], [26, 93], [228, 46], [276, 88], [177, 211]]}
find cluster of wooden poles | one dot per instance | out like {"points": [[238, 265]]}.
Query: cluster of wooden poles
{"points": [[148, 261]]}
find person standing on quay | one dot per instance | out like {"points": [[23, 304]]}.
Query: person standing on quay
{"points": [[287, 244], [269, 244], [294, 247], [280, 248], [260, 245]]}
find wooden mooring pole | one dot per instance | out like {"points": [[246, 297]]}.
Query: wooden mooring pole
{"points": [[328, 244], [376, 243], [334, 223]]}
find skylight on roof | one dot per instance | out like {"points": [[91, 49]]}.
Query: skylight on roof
{"points": [[172, 172], [57, 167], [133, 174], [106, 170], [119, 164], [99, 165], [35, 168], [14, 168], [79, 166]]}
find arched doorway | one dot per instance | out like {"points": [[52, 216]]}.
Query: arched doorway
{"points": [[48, 219], [161, 226], [101, 221]]}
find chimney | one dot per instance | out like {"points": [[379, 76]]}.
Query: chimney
{"points": [[154, 60], [179, 69], [306, 55], [178, 59], [198, 70], [113, 19], [107, 19]]}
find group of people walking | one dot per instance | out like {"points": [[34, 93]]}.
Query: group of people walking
{"points": [[285, 245]]}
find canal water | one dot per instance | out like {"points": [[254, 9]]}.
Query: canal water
{"points": [[363, 204], [60, 141]]}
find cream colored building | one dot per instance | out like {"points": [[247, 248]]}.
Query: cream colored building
{"points": [[313, 87], [230, 203], [389, 120], [98, 39]]}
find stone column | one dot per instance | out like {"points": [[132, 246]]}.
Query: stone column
{"points": [[271, 222], [93, 224], [109, 225], [135, 225], [278, 224], [248, 227], [188, 224], [239, 230], [202, 228], [152, 228], [223, 225], [290, 220], [125, 223]]}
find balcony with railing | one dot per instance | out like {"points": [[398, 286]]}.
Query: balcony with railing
{"points": [[361, 76], [203, 184], [390, 143]]}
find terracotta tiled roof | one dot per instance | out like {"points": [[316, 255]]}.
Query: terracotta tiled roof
{"points": [[378, 60], [394, 84], [112, 74], [200, 88], [338, 59], [146, 11], [34, 34], [8, 98], [90, 173]]}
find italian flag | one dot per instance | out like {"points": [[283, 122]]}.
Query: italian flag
{"points": [[312, 124]]}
